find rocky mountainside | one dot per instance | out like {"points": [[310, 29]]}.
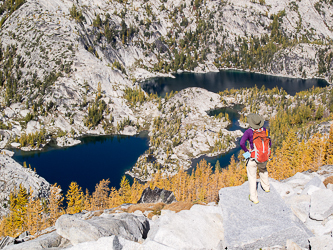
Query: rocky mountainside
{"points": [[296, 214], [12, 175], [70, 68]]}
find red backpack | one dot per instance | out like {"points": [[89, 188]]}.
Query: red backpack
{"points": [[261, 145]]}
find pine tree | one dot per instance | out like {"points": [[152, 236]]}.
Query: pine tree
{"points": [[125, 190], [55, 202], [18, 208], [100, 196], [114, 198], [35, 216], [99, 90], [328, 157], [218, 166], [87, 201], [74, 197]]}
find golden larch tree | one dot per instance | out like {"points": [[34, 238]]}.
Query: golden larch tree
{"points": [[75, 199], [55, 203]]}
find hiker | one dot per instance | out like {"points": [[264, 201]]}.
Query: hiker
{"points": [[258, 154]]}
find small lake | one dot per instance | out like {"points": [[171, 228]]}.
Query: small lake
{"points": [[228, 79], [224, 159], [103, 157], [96, 158]]}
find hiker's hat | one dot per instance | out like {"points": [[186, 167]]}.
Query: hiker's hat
{"points": [[255, 121]]}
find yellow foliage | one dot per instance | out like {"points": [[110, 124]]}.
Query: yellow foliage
{"points": [[55, 201], [74, 197], [35, 218], [295, 157], [100, 196]]}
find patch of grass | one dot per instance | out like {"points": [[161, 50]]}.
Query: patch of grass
{"points": [[156, 208], [328, 180], [146, 207], [179, 206]]}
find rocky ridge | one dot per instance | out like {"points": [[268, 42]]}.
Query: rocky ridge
{"points": [[12, 175], [178, 137], [291, 216]]}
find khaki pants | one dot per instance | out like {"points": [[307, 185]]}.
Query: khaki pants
{"points": [[252, 177]]}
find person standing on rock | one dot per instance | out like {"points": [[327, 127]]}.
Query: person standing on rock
{"points": [[258, 155]]}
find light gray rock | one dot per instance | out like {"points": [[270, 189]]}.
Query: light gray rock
{"points": [[251, 226], [7, 152], [67, 141], [198, 228], [24, 112], [284, 189], [292, 245], [43, 242], [320, 227], [25, 236], [300, 205], [298, 181], [118, 243], [310, 190], [315, 181], [12, 174], [324, 242], [32, 127], [105, 243], [9, 112], [6, 241], [78, 230], [330, 186], [321, 204], [15, 144]]}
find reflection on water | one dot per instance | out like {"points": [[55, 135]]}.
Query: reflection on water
{"points": [[228, 79]]}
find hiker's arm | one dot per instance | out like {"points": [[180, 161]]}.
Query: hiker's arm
{"points": [[244, 139]]}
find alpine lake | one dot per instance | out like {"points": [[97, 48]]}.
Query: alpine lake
{"points": [[109, 157]]}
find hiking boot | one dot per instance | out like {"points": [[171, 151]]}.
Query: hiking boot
{"points": [[255, 202]]}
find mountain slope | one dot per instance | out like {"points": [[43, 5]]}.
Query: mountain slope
{"points": [[71, 67]]}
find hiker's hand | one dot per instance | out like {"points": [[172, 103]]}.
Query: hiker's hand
{"points": [[247, 155]]}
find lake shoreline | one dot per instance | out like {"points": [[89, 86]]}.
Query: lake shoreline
{"points": [[201, 139]]}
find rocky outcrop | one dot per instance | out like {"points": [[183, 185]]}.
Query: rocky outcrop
{"points": [[6, 241], [118, 243], [321, 205], [67, 141], [77, 230], [157, 195], [12, 175], [182, 130], [252, 226], [324, 242], [201, 227], [51, 240]]}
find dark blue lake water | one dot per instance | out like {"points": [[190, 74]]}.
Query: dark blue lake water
{"points": [[104, 157], [96, 158], [224, 159], [228, 79]]}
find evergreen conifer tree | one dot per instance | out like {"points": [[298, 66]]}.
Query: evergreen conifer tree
{"points": [[74, 197]]}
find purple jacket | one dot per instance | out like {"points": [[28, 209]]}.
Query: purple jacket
{"points": [[248, 135]]}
